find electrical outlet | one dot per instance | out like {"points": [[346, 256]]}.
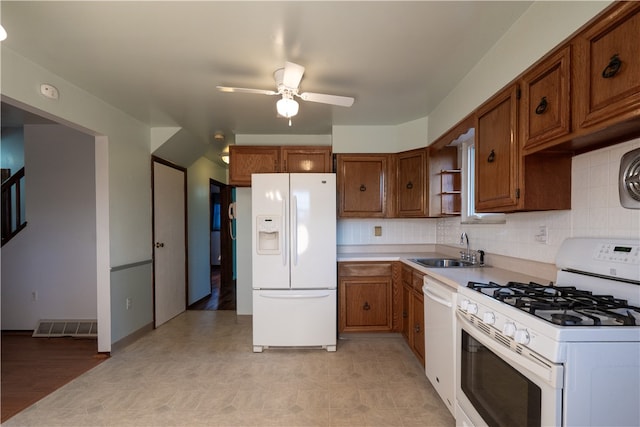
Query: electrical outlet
{"points": [[542, 235], [377, 231], [128, 303]]}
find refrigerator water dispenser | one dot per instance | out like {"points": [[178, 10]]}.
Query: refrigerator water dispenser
{"points": [[268, 238]]}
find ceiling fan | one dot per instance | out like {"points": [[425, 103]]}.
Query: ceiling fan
{"points": [[287, 84]]}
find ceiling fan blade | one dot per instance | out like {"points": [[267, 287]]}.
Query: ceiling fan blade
{"points": [[342, 101], [292, 75], [245, 90]]}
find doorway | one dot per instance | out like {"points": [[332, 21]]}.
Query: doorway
{"points": [[223, 285]]}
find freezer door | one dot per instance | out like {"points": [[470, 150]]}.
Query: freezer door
{"points": [[313, 230], [289, 318], [269, 230]]}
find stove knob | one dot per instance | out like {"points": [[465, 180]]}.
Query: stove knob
{"points": [[489, 318], [509, 329], [472, 308], [522, 336]]}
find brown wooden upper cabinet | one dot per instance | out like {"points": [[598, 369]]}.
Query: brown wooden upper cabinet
{"points": [[412, 171], [246, 159], [496, 153], [607, 73], [362, 185], [506, 180], [306, 159], [545, 104]]}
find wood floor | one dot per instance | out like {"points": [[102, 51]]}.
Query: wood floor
{"points": [[34, 367], [223, 295]]}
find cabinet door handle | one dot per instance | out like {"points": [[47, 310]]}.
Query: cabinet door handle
{"points": [[159, 245], [542, 107], [405, 314], [363, 187], [366, 306], [492, 156], [416, 329], [612, 68], [410, 185]]}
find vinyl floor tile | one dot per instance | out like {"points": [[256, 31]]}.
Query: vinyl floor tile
{"points": [[199, 370]]}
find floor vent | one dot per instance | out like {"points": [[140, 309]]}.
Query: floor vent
{"points": [[66, 328]]}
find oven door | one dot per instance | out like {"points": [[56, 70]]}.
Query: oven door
{"points": [[499, 387]]}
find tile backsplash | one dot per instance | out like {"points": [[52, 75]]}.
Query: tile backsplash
{"points": [[393, 231], [595, 211]]}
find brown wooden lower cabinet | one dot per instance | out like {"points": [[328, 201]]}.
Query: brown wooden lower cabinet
{"points": [[367, 297], [413, 311]]}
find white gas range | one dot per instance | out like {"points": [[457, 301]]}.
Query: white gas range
{"points": [[554, 354]]}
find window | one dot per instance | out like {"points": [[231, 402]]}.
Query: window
{"points": [[469, 214]]}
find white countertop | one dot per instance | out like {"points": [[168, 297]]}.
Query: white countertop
{"points": [[451, 276]]}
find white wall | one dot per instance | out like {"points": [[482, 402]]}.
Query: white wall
{"points": [[55, 255], [129, 175], [244, 279], [198, 190], [243, 139]]}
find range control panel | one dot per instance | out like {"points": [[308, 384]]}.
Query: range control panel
{"points": [[610, 257], [611, 252]]}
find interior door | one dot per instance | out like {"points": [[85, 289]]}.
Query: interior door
{"points": [[169, 246]]}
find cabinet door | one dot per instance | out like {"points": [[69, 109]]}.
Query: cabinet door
{"points": [[362, 185], [418, 325], [608, 69], [407, 309], [545, 100], [411, 183], [306, 159], [496, 153], [245, 160], [365, 305]]}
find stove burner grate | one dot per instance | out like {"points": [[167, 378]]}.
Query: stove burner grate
{"points": [[565, 319], [562, 305]]}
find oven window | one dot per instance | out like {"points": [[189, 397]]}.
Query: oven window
{"points": [[500, 394]]}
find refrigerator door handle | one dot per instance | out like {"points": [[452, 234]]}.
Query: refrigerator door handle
{"points": [[299, 295], [294, 229], [283, 240]]}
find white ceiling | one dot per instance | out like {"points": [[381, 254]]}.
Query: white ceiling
{"points": [[161, 61]]}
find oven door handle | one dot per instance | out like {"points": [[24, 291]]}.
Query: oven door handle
{"points": [[546, 371]]}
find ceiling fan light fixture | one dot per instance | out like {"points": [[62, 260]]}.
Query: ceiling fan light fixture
{"points": [[287, 107]]}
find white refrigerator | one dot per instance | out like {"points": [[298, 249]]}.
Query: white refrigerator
{"points": [[294, 260]]}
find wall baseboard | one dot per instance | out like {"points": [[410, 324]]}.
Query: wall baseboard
{"points": [[132, 337]]}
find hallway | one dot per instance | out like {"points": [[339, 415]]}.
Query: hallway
{"points": [[198, 369], [223, 296]]}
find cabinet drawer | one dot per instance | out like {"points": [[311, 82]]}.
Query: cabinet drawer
{"points": [[364, 269], [608, 70], [417, 280], [545, 100]]}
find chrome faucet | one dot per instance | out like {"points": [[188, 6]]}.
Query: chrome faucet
{"points": [[465, 256]]}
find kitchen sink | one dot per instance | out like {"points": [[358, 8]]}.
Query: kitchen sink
{"points": [[443, 262]]}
